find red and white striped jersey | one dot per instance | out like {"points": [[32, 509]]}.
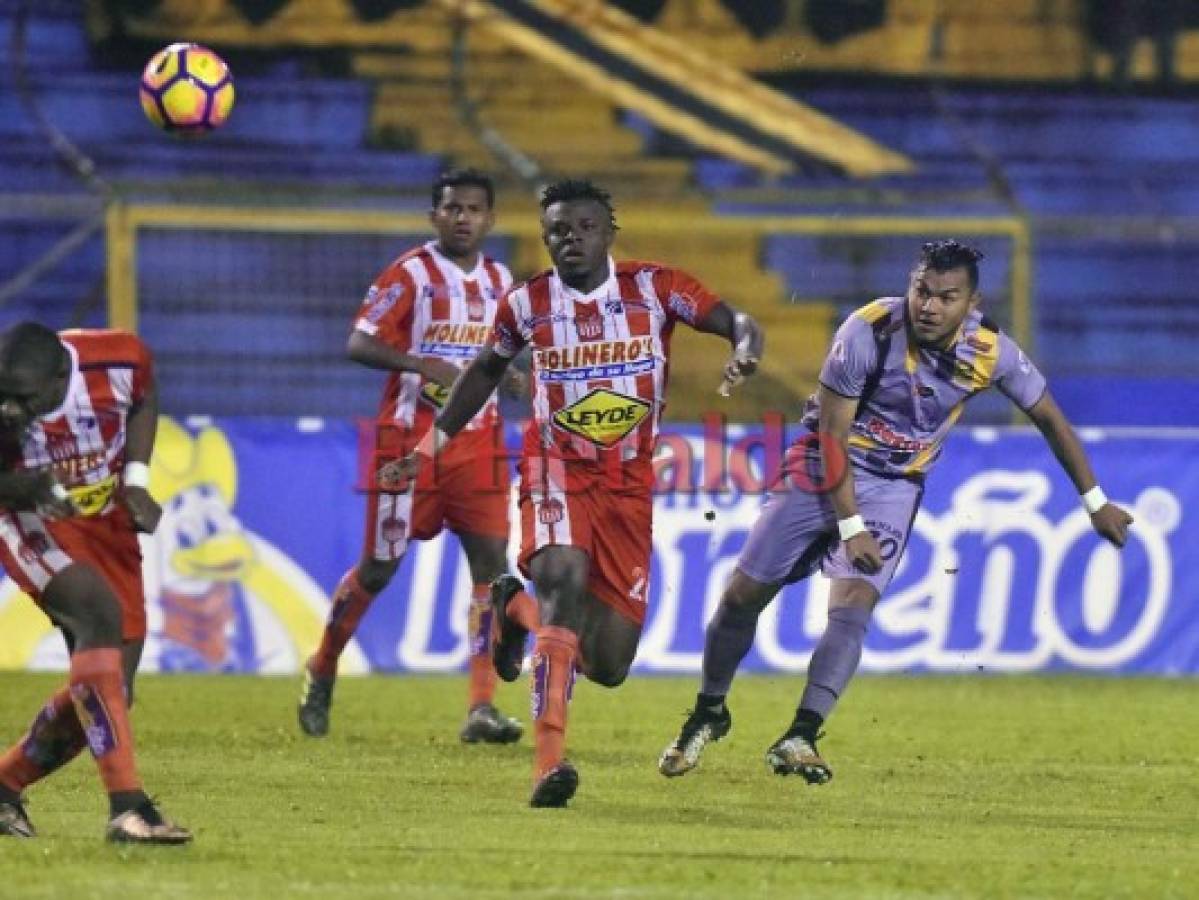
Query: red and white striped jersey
{"points": [[83, 440], [423, 304], [600, 360]]}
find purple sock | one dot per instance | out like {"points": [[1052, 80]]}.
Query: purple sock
{"points": [[835, 660], [729, 637]]}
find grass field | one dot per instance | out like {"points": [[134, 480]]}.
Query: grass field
{"points": [[944, 787]]}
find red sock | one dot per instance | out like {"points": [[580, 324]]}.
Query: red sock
{"points": [[98, 692], [523, 610], [554, 656], [350, 602], [482, 672], [54, 739]]}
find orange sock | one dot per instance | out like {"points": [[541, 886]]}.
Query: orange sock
{"points": [[54, 739], [523, 610], [98, 692], [553, 681], [482, 672], [350, 603]]}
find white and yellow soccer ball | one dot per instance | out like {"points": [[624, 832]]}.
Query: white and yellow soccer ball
{"points": [[187, 89]]}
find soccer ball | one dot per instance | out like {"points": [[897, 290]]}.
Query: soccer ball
{"points": [[186, 89]]}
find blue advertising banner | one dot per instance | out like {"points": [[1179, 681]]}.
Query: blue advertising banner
{"points": [[1002, 572]]}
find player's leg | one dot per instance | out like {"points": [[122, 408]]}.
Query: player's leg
{"points": [[560, 574], [785, 545], [889, 508], [389, 526], [487, 558], [84, 605]]}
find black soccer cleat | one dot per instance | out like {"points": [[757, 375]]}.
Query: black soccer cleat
{"points": [[508, 644], [316, 696], [700, 728], [144, 824], [14, 821], [486, 724], [555, 787], [795, 753]]}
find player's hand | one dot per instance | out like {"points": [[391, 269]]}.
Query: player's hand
{"points": [[864, 554], [142, 508], [515, 384], [49, 498], [397, 475], [1112, 522], [735, 371], [439, 371]]}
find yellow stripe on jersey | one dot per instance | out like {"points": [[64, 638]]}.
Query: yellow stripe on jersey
{"points": [[922, 459], [872, 312], [985, 360]]}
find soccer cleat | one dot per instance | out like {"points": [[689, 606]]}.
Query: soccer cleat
{"points": [[14, 821], [701, 727], [555, 787], [796, 754], [316, 696], [508, 646], [144, 824], [486, 724]]}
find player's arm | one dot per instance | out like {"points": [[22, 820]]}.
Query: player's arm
{"points": [[836, 417], [140, 428], [471, 391], [368, 350], [1108, 519], [742, 332]]}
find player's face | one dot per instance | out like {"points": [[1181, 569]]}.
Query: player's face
{"points": [[938, 303], [25, 395], [578, 235], [462, 219]]}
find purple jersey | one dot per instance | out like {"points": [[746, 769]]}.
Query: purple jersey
{"points": [[910, 402]]}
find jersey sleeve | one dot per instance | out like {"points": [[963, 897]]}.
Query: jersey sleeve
{"points": [[386, 310], [143, 371], [683, 297], [851, 358], [506, 338], [1016, 376]]}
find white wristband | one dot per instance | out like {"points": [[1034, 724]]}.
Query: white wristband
{"points": [[1094, 499], [137, 474], [850, 527], [59, 492]]}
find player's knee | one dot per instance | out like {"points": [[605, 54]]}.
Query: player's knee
{"points": [[744, 595], [608, 676], [376, 574]]}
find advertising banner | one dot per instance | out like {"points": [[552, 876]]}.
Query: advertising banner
{"points": [[1002, 571]]}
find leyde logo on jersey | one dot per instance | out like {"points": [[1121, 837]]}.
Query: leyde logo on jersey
{"points": [[603, 416], [457, 340], [434, 394]]}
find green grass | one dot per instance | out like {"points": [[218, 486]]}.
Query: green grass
{"points": [[945, 787]]}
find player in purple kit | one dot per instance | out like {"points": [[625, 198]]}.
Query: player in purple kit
{"points": [[894, 382]]}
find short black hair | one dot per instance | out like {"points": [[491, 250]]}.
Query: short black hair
{"points": [[577, 189], [31, 345], [943, 255], [464, 178]]}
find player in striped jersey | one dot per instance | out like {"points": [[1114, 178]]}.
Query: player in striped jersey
{"points": [[78, 413], [896, 378], [423, 319], [600, 335]]}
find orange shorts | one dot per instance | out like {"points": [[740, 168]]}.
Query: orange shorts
{"points": [[614, 528], [466, 491], [34, 550]]}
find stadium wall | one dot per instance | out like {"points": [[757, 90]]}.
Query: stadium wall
{"points": [[1002, 574]]}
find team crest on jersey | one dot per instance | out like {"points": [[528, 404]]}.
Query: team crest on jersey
{"points": [[603, 417], [550, 511], [434, 394], [475, 308], [590, 328], [595, 359]]}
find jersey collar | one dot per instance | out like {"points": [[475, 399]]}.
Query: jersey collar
{"points": [[605, 291]]}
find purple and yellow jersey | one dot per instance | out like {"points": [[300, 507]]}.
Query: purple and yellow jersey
{"points": [[912, 397]]}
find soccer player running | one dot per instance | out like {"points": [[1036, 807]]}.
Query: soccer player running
{"points": [[600, 335], [894, 382], [423, 319], [78, 414]]}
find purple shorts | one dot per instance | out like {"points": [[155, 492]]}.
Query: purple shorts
{"points": [[796, 534]]}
